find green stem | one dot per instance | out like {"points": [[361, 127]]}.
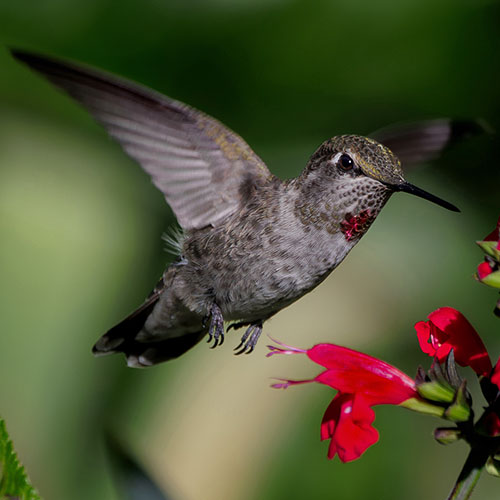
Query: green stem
{"points": [[469, 475]]}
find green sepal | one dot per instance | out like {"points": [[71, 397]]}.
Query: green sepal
{"points": [[457, 413], [489, 248], [423, 407], [493, 279], [493, 466], [439, 391], [447, 435], [460, 410], [450, 371]]}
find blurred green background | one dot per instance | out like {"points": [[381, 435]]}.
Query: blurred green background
{"points": [[81, 246]]}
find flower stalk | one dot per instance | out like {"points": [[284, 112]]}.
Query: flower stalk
{"points": [[469, 475]]}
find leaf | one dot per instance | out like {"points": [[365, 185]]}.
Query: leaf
{"points": [[14, 484]]}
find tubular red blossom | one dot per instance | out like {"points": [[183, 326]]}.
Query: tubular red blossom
{"points": [[348, 423], [362, 382], [354, 372], [484, 269], [448, 329]]}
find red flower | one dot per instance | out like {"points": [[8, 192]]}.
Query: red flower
{"points": [[348, 423], [494, 235], [484, 269], [448, 329], [362, 382], [495, 376], [490, 423]]}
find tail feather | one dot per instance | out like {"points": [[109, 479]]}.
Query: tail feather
{"points": [[123, 338], [115, 339], [143, 354]]}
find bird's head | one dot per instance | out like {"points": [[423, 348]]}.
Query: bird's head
{"points": [[359, 167]]}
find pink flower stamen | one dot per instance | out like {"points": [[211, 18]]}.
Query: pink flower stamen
{"points": [[284, 349], [284, 384]]}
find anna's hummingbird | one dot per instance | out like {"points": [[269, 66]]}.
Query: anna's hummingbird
{"points": [[251, 243]]}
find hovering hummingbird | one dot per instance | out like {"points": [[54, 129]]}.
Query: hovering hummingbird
{"points": [[251, 244]]}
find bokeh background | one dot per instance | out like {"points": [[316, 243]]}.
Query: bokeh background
{"points": [[81, 226]]}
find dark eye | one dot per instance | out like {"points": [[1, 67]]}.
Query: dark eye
{"points": [[345, 162]]}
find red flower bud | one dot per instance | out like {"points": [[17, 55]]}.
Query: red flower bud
{"points": [[484, 269]]}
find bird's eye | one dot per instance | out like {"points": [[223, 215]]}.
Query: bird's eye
{"points": [[345, 162]]}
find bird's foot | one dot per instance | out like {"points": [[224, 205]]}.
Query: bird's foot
{"points": [[237, 326], [216, 328], [250, 337]]}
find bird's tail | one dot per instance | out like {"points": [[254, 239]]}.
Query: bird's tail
{"points": [[140, 354]]}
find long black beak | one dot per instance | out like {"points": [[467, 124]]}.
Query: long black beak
{"points": [[406, 187]]}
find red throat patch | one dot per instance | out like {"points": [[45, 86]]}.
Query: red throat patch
{"points": [[356, 225]]}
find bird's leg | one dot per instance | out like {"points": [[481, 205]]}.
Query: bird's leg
{"points": [[250, 337], [216, 328]]}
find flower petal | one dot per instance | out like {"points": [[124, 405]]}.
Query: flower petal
{"points": [[449, 329], [432, 340], [495, 377], [484, 269], [423, 334], [490, 423], [354, 372], [347, 422]]}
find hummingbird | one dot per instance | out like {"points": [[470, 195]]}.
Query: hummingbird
{"points": [[251, 243]]}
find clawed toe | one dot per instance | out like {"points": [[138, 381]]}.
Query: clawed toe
{"points": [[249, 339], [216, 328], [216, 331]]}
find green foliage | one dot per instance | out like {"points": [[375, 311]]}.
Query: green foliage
{"points": [[14, 483]]}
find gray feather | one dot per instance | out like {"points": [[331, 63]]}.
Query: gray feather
{"points": [[194, 160]]}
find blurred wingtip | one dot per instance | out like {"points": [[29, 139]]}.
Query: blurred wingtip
{"points": [[424, 141], [466, 128], [25, 56]]}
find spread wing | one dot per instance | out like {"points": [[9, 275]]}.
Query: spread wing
{"points": [[200, 166], [424, 141]]}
